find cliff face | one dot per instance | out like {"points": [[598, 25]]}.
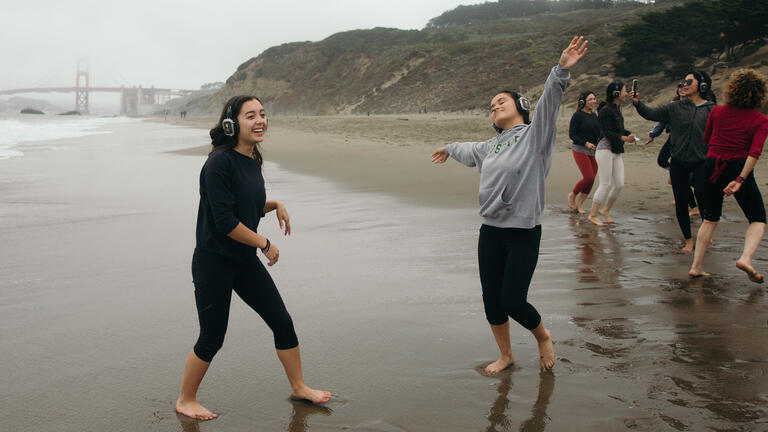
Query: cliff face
{"points": [[455, 68]]}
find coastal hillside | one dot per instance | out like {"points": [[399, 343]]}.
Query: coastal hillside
{"points": [[452, 68]]}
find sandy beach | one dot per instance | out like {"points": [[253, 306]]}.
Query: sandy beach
{"points": [[380, 276]]}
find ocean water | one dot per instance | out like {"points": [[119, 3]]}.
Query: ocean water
{"points": [[21, 133]]}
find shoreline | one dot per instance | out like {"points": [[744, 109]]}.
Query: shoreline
{"points": [[353, 152]]}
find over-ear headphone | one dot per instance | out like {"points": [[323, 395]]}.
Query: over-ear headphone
{"points": [[229, 124], [523, 106], [704, 81], [583, 98], [613, 90]]}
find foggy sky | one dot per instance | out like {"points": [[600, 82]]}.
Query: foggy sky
{"points": [[172, 43]]}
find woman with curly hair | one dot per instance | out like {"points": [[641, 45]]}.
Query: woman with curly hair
{"points": [[735, 133]]}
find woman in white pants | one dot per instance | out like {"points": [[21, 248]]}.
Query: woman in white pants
{"points": [[610, 165]]}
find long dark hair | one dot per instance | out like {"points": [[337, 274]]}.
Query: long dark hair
{"points": [[221, 141], [612, 87], [703, 77]]}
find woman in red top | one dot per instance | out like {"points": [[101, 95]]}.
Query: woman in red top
{"points": [[735, 133]]}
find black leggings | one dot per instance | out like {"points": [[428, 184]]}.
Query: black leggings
{"points": [[507, 258], [215, 277], [748, 196], [680, 177]]}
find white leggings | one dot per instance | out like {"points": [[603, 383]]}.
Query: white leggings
{"points": [[610, 169]]}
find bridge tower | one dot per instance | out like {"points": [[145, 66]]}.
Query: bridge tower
{"points": [[81, 89]]}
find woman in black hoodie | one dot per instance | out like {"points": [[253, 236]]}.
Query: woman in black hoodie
{"points": [[608, 154]]}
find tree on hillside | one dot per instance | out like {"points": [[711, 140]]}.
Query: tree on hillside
{"points": [[501, 9], [672, 39]]}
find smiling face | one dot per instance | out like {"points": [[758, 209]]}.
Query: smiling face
{"points": [[591, 102], [689, 86], [252, 121], [619, 100], [504, 111]]}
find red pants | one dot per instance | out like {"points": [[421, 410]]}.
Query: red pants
{"points": [[588, 167]]}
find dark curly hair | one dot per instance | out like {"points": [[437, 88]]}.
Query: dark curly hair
{"points": [[746, 89], [219, 140]]}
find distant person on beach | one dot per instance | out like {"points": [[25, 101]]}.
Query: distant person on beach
{"points": [[584, 132], [232, 202], [513, 167], [736, 133], [610, 164], [686, 120]]}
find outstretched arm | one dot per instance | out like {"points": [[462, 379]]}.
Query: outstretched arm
{"points": [[468, 153]]}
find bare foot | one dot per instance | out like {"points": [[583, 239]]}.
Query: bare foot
{"points": [[752, 274], [580, 210], [308, 394], [694, 212], [193, 409], [697, 273], [688, 248], [572, 201], [499, 365], [595, 220], [546, 352], [607, 216]]}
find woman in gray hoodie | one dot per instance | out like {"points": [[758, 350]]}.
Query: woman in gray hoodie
{"points": [[513, 167], [686, 120]]}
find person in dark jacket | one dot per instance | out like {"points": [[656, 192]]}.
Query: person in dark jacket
{"points": [[585, 132], [736, 133], [608, 154], [232, 202], [686, 120]]}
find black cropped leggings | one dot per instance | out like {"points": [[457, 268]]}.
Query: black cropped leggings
{"points": [[215, 277], [507, 258], [680, 176]]}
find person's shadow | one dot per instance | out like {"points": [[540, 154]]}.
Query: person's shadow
{"points": [[537, 422]]}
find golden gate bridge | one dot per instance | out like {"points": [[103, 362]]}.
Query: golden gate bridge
{"points": [[133, 100]]}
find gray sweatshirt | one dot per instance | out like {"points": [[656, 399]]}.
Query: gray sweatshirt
{"points": [[514, 165]]}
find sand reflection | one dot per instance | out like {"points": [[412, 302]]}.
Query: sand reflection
{"points": [[498, 419]]}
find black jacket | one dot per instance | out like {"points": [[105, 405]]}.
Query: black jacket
{"points": [[612, 122]]}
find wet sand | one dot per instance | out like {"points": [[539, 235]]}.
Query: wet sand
{"points": [[381, 280]]}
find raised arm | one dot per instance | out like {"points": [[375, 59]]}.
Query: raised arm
{"points": [[543, 126], [659, 114]]}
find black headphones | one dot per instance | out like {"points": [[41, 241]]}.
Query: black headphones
{"points": [[583, 98], [523, 106], [613, 90], [229, 124], [704, 81]]}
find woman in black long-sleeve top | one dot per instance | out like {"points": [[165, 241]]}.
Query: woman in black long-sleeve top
{"points": [[608, 153], [584, 131], [232, 202]]}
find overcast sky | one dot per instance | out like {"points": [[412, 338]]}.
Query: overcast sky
{"points": [[171, 43]]}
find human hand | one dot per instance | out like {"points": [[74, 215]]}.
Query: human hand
{"points": [[590, 146], [732, 188], [440, 155], [272, 254], [629, 138], [650, 140], [635, 97], [574, 52], [283, 218]]}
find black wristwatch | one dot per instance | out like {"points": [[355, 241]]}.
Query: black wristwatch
{"points": [[265, 249]]}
